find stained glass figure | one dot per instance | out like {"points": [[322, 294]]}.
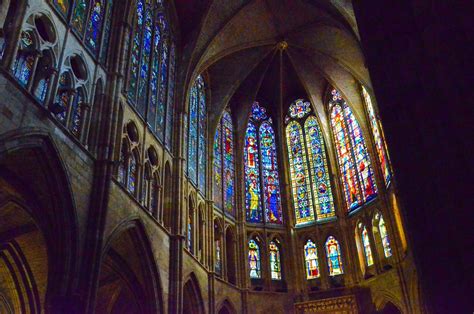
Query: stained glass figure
{"points": [[217, 173], [366, 244], [23, 66], [333, 253], [77, 113], [228, 162], [387, 250], [252, 175], [162, 89], [197, 136], [144, 69], [190, 233], [275, 263], [41, 89], [379, 139], [134, 62], [122, 166], [62, 6], [354, 162], [311, 188], [132, 174], [254, 260], [311, 260], [63, 96], [79, 15], [261, 191], [153, 115], [95, 25], [218, 263]]}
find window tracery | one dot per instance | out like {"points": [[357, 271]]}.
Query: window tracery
{"points": [[311, 188], [262, 184], [354, 161], [197, 136]]}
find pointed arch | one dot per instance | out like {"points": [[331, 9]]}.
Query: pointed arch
{"points": [[226, 307], [192, 298], [129, 278]]}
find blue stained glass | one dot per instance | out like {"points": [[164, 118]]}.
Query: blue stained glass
{"points": [[132, 174], [145, 61], [258, 112], [95, 24], [63, 96], [333, 253], [162, 90], [135, 54], [41, 89], [321, 185], [2, 46], [217, 173], [76, 114], [79, 15], [193, 134], [271, 188], [170, 109], [254, 260], [152, 107], [252, 176], [202, 163], [23, 66]]}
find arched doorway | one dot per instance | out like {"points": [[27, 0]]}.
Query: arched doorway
{"points": [[226, 308], [129, 280]]}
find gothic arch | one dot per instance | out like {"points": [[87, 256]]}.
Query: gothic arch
{"points": [[30, 156], [226, 307], [129, 279], [192, 298]]}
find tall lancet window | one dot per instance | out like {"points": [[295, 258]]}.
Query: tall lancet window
{"points": [[366, 244], [354, 161], [379, 139], [223, 174], [333, 253], [262, 184], [311, 260], [275, 261], [254, 260], [197, 138], [310, 185]]}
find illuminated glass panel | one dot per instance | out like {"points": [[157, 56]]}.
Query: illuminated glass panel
{"points": [[323, 200], [79, 15], [333, 253], [23, 66], [254, 260], [132, 174], [144, 69], [41, 89], [63, 96], [171, 87], [95, 25], [202, 149], [384, 236], [300, 181], [354, 162], [62, 6], [154, 81], [217, 173], [366, 244], [252, 175], [77, 113], [162, 89], [193, 134], [299, 109], [311, 260], [275, 263], [271, 188], [107, 32], [218, 263], [190, 233], [228, 162], [379, 140], [122, 167]]}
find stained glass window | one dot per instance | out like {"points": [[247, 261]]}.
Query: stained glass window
{"points": [[154, 195], [262, 184], [311, 260], [170, 109], [197, 138], [379, 139], [354, 161], [107, 32], [77, 113], [224, 164], [63, 96], [41, 89], [366, 244], [387, 250], [62, 6], [95, 25], [23, 66], [254, 260], [190, 232], [122, 166], [275, 263], [311, 188], [79, 15], [218, 263], [132, 174], [333, 253]]}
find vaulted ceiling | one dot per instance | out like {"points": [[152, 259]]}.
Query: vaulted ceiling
{"points": [[272, 51]]}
